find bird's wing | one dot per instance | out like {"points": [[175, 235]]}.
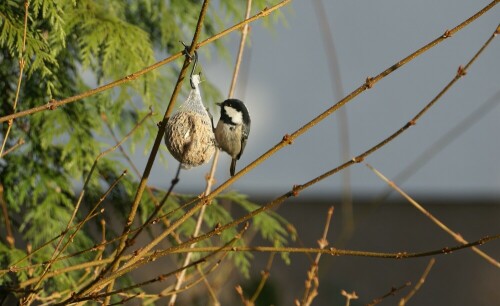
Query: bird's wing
{"points": [[244, 137]]}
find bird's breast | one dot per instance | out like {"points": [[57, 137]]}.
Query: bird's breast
{"points": [[228, 138]]}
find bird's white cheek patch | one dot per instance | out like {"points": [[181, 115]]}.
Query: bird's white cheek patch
{"points": [[236, 116]]}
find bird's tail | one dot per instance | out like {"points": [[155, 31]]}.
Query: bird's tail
{"points": [[233, 166]]}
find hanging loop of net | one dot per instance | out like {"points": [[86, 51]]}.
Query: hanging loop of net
{"points": [[189, 134]]}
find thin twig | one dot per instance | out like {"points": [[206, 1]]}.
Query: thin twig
{"points": [[263, 279], [440, 224], [239, 57], [393, 291], [126, 299], [120, 147], [100, 251], [211, 291], [421, 281], [19, 143]]}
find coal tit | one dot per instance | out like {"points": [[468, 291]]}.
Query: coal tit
{"points": [[232, 129]]}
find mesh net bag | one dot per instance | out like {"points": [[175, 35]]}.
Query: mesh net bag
{"points": [[189, 135]]}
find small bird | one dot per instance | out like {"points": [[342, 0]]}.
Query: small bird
{"points": [[233, 129]]}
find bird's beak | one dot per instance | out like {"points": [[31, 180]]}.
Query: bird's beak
{"points": [[219, 104]]}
